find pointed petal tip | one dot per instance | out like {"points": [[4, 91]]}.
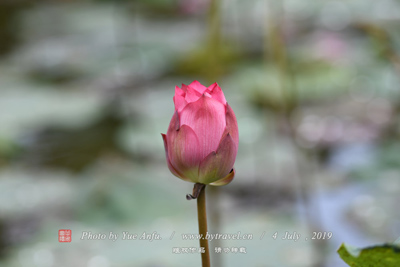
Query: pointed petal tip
{"points": [[218, 163], [192, 94], [226, 141], [197, 86], [231, 123], [226, 180], [212, 86], [217, 93], [164, 137]]}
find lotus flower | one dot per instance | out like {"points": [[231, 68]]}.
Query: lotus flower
{"points": [[202, 139]]}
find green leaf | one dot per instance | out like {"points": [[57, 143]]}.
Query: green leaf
{"points": [[387, 255]]}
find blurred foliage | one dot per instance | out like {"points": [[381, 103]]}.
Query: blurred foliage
{"points": [[161, 8], [74, 149], [209, 63], [9, 23], [8, 151]]}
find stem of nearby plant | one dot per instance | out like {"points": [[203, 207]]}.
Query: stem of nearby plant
{"points": [[202, 218]]}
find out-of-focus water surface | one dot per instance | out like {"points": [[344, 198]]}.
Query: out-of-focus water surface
{"points": [[86, 89]]}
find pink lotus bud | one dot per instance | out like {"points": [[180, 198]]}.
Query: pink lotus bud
{"points": [[202, 139]]}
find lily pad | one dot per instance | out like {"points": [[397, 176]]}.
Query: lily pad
{"points": [[381, 255]]}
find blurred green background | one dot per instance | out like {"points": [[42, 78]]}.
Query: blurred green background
{"points": [[86, 90]]}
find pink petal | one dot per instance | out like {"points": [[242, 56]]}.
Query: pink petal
{"points": [[231, 125], [198, 87], [183, 151], [170, 166], [206, 117], [226, 180], [179, 91], [180, 102], [211, 87], [174, 123], [216, 93], [192, 95], [218, 164], [184, 87]]}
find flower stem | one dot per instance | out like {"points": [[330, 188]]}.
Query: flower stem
{"points": [[202, 218]]}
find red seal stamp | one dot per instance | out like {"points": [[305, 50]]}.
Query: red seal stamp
{"points": [[64, 235]]}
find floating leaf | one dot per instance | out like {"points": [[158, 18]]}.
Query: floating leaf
{"points": [[387, 255]]}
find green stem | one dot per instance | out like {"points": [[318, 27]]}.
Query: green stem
{"points": [[202, 218]]}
